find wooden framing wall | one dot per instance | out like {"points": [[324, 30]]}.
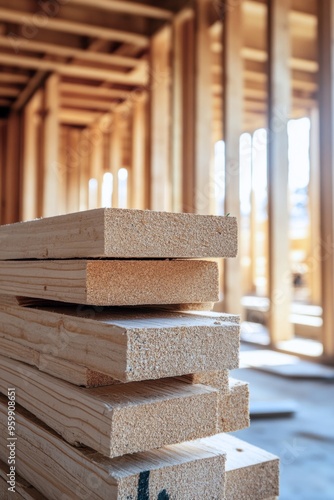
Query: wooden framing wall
{"points": [[151, 89]]}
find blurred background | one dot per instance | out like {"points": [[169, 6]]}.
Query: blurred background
{"points": [[206, 106]]}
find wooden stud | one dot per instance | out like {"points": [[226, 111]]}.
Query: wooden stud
{"points": [[134, 8], [279, 273], [73, 165], [326, 133], [51, 148], [233, 99], [139, 171]]}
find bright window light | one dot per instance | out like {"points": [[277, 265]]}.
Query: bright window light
{"points": [[122, 188], [107, 189], [92, 193]]}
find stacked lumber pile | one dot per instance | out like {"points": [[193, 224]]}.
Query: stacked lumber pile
{"points": [[120, 370]]}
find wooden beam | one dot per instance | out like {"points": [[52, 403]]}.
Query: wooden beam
{"points": [[35, 82], [105, 420], [233, 116], [191, 236], [115, 154], [139, 170], [73, 165], [67, 26], [51, 148], [326, 133], [113, 283], [73, 102], [8, 92], [203, 166], [13, 78], [72, 52], [279, 270], [5, 102], [160, 130], [128, 7], [73, 70], [92, 90], [76, 117], [12, 177]]}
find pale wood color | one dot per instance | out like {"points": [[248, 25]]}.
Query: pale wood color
{"points": [[96, 92], [129, 345], [326, 132], [13, 78], [67, 26], [30, 173], [160, 135], [314, 210], [59, 50], [191, 471], [138, 9], [51, 147], [23, 490], [112, 282], [60, 368], [183, 111], [139, 170], [233, 400], [233, 118], [115, 158], [117, 419], [120, 233], [279, 272], [251, 473], [203, 143], [72, 70], [73, 166], [11, 192]]}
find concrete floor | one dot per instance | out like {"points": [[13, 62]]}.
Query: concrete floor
{"points": [[304, 442]]}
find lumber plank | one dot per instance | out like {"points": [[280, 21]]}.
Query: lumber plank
{"points": [[128, 345], [251, 473], [191, 471], [120, 233], [112, 282], [60, 368], [117, 419], [233, 399], [23, 490]]}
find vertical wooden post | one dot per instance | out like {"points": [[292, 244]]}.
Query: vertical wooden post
{"points": [[139, 171], [204, 181], [12, 177], [96, 171], [160, 133], [326, 129], [85, 153], [51, 147], [73, 170], [116, 153], [314, 209], [278, 170], [233, 107]]}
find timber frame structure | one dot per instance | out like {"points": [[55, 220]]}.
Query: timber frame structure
{"points": [[92, 86]]}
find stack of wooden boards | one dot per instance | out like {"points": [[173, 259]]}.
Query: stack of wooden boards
{"points": [[120, 371]]}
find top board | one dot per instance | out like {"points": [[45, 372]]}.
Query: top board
{"points": [[120, 233]]}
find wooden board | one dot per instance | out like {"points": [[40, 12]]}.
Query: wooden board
{"points": [[60, 368], [234, 407], [117, 419], [23, 490], [120, 233], [112, 282], [191, 471], [128, 345], [251, 473]]}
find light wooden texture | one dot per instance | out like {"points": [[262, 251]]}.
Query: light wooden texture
{"points": [[129, 346], [60, 368], [233, 401], [112, 282], [326, 131], [23, 490], [138, 9], [117, 419], [279, 272], [191, 471], [120, 233], [251, 473], [232, 127]]}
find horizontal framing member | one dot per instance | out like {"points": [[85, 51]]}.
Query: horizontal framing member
{"points": [[74, 70], [120, 233], [133, 8], [56, 24], [112, 282], [91, 90], [127, 346], [117, 419], [25, 44]]}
